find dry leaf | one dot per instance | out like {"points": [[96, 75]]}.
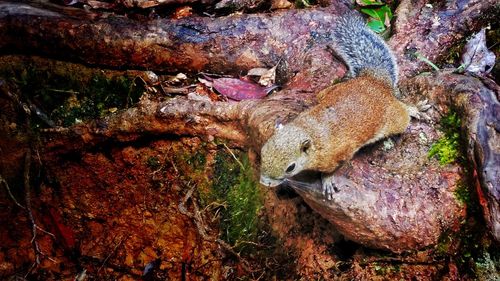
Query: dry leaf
{"points": [[258, 71], [206, 82], [387, 21], [182, 12], [237, 89], [280, 4], [476, 57], [268, 78]]}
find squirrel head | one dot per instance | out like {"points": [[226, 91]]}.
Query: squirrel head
{"points": [[285, 154]]}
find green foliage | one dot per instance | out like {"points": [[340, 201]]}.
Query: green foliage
{"points": [[380, 15], [234, 188], [447, 148]]}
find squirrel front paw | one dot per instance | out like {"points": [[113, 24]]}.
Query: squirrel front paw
{"points": [[329, 187], [418, 111]]}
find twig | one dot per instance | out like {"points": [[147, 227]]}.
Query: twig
{"points": [[173, 164], [2, 180], [27, 194], [172, 90], [63, 91], [27, 198], [34, 226], [112, 252], [21, 206], [240, 242], [232, 154], [46, 232], [184, 211]]}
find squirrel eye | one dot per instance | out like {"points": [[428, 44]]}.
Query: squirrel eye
{"points": [[305, 146], [290, 168]]}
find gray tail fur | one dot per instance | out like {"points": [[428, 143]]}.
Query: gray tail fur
{"points": [[363, 50]]}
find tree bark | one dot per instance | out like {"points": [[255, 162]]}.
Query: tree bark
{"points": [[431, 30], [232, 44]]}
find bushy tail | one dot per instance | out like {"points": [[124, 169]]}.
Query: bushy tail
{"points": [[363, 50]]}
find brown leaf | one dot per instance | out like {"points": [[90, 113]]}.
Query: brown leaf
{"points": [[280, 4], [182, 12], [268, 78], [258, 71], [203, 90]]}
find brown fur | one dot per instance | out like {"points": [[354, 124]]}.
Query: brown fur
{"points": [[348, 116], [353, 114]]}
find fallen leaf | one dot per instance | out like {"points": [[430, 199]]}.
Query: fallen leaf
{"points": [[182, 12], [268, 78], [99, 5], [206, 82], [476, 57], [70, 2], [181, 76], [237, 89], [258, 71], [203, 90], [280, 4]]}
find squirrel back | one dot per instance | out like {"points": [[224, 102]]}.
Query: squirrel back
{"points": [[347, 116], [363, 51]]}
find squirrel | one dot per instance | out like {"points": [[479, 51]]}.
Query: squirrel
{"points": [[348, 116]]}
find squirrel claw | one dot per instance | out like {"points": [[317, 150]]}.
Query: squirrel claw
{"points": [[423, 105], [418, 111], [328, 186]]}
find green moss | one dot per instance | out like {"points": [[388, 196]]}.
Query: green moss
{"points": [[153, 163], [98, 98], [454, 53], [235, 188], [462, 194], [444, 244], [197, 160], [447, 149], [67, 99]]}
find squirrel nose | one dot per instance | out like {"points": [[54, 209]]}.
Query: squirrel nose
{"points": [[269, 182]]}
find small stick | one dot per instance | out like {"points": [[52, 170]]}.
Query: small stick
{"points": [[112, 252], [2, 180], [234, 156]]}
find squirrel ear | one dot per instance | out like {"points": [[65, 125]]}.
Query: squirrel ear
{"points": [[304, 147], [278, 126]]}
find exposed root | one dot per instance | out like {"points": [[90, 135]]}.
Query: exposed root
{"points": [[34, 227]]}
